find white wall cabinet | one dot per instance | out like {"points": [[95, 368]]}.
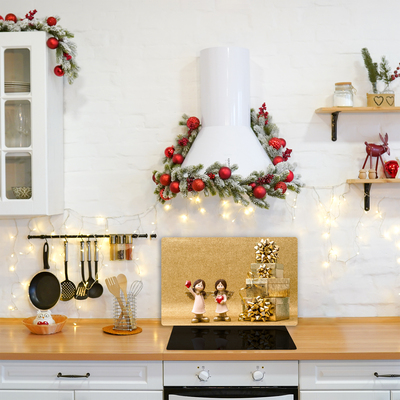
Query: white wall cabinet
{"points": [[345, 380], [31, 127]]}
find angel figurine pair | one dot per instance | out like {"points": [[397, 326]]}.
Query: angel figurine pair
{"points": [[221, 295]]}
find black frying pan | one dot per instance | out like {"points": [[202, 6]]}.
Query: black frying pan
{"points": [[45, 288]]}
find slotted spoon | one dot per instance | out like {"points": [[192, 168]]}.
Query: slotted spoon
{"points": [[68, 288]]}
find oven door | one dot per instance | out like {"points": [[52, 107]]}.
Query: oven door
{"points": [[231, 393]]}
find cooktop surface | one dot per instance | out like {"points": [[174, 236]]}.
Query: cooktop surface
{"points": [[230, 338]]}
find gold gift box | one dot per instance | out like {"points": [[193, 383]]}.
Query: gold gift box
{"points": [[280, 309], [268, 287], [276, 269]]}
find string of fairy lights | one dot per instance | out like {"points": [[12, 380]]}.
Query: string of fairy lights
{"points": [[328, 216]]}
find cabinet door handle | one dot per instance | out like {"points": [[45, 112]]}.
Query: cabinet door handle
{"points": [[386, 376], [60, 375]]}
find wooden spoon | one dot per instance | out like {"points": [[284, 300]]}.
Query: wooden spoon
{"points": [[123, 284]]}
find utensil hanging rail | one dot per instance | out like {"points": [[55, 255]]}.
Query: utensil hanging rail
{"points": [[134, 236]]}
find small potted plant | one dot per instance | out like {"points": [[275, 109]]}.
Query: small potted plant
{"points": [[377, 73]]}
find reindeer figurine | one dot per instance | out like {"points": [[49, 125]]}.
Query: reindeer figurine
{"points": [[376, 150]]}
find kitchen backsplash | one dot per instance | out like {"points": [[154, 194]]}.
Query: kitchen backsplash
{"points": [[139, 74]]}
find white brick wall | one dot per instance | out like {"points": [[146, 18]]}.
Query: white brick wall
{"points": [[139, 74]]}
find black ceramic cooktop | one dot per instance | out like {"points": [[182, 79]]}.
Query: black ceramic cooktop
{"points": [[230, 338]]}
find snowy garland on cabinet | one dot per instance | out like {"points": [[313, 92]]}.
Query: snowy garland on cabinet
{"points": [[218, 178]]}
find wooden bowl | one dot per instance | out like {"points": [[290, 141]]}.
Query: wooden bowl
{"points": [[60, 321]]}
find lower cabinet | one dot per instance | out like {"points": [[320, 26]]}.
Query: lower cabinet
{"points": [[117, 395], [35, 395], [345, 380]]}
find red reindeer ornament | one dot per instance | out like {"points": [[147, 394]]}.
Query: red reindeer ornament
{"points": [[376, 150]]}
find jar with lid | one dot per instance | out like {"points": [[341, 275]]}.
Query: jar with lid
{"points": [[343, 95], [128, 247], [120, 247], [113, 247]]}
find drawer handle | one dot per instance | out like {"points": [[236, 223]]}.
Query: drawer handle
{"points": [[60, 375], [386, 376]]}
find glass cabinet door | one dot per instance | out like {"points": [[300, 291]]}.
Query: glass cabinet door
{"points": [[17, 123], [18, 176], [17, 67]]}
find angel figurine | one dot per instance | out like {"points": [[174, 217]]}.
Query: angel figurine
{"points": [[198, 294], [221, 296]]}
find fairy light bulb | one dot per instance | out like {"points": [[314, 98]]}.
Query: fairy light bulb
{"points": [[184, 217], [167, 207], [198, 200], [325, 235], [325, 264], [202, 210], [12, 268]]}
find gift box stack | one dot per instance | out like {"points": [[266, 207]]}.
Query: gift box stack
{"points": [[267, 293]]}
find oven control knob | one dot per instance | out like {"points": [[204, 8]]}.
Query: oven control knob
{"points": [[204, 375], [257, 375]]}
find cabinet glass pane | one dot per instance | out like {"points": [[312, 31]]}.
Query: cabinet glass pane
{"points": [[17, 71], [18, 176], [18, 123]]}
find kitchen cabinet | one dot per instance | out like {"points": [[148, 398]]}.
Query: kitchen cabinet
{"points": [[366, 380], [31, 127], [83, 380]]}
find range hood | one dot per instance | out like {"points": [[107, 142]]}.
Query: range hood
{"points": [[226, 135]]}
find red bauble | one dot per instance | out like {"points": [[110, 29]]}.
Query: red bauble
{"points": [[289, 177], [1, 18], [225, 173], [275, 143], [283, 142], [193, 123], [165, 179], [277, 160], [177, 159], [253, 185], [169, 151], [67, 56], [391, 168], [174, 187], [259, 192], [58, 70], [52, 43], [161, 195], [154, 179], [281, 185], [51, 21], [11, 17], [198, 185]]}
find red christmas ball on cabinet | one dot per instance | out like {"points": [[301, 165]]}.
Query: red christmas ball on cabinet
{"points": [[11, 17], [289, 177], [225, 173], [198, 185], [174, 187], [162, 195], [51, 21], [165, 179], [253, 185], [275, 143], [283, 142], [391, 168], [52, 43], [277, 160], [169, 151], [281, 185], [259, 192], [58, 70], [154, 179], [193, 123], [177, 159], [1, 18]]}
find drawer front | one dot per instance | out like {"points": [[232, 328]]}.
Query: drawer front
{"points": [[35, 395], [349, 375], [118, 395], [395, 395], [237, 373], [345, 395], [123, 375]]}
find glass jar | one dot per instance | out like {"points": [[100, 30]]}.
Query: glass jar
{"points": [[343, 95], [113, 247], [120, 247], [128, 247]]}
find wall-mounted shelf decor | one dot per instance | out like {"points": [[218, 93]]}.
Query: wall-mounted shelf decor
{"points": [[367, 187], [335, 111]]}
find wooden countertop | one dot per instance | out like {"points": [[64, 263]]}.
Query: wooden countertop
{"points": [[315, 338]]}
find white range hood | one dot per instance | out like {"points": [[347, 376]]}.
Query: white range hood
{"points": [[226, 135]]}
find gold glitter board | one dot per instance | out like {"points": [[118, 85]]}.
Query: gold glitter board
{"points": [[213, 258]]}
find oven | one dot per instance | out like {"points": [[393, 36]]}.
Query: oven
{"points": [[215, 380]]}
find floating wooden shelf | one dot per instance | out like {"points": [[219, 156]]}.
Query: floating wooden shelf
{"points": [[367, 187], [335, 111]]}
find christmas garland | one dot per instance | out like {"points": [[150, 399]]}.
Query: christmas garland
{"points": [[65, 48], [218, 178]]}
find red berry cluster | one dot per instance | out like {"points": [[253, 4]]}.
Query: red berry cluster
{"points": [[30, 15], [189, 184], [263, 113], [211, 176], [286, 154], [265, 180], [396, 73], [183, 142]]}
